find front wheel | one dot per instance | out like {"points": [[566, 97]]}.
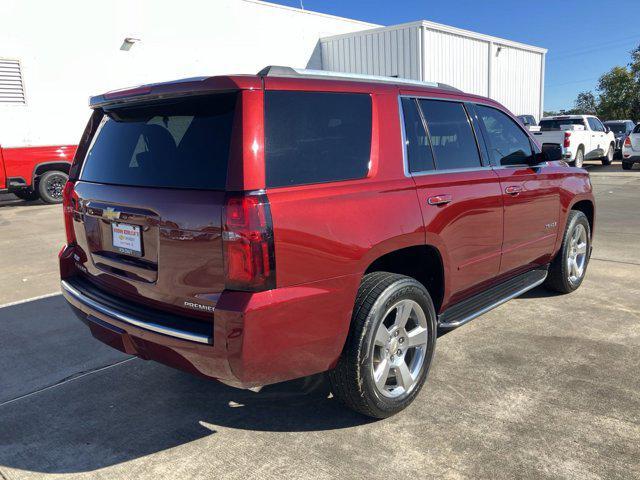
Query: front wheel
{"points": [[568, 269], [389, 348], [608, 158], [51, 185]]}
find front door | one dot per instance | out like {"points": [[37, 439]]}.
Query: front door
{"points": [[530, 194], [460, 198]]}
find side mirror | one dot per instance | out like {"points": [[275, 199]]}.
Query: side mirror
{"points": [[552, 152]]}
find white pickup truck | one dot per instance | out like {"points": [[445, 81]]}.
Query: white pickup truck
{"points": [[583, 137]]}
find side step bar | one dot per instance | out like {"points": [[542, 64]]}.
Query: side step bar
{"points": [[481, 303]]}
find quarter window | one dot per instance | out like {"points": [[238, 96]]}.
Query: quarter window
{"points": [[508, 144], [315, 137], [452, 139], [419, 153]]}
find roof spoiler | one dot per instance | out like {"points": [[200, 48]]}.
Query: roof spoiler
{"points": [[290, 72]]}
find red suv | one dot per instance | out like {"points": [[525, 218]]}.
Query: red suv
{"points": [[255, 229]]}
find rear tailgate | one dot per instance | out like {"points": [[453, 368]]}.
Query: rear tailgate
{"points": [[149, 202], [549, 137]]}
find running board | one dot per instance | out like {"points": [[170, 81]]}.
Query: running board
{"points": [[481, 303]]}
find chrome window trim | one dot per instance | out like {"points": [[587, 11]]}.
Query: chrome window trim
{"points": [[403, 134], [154, 327]]}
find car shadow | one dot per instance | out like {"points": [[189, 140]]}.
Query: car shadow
{"points": [[71, 404], [139, 408], [10, 200]]}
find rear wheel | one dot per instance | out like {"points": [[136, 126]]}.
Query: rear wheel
{"points": [[568, 269], [27, 195], [627, 165], [51, 185], [579, 160], [608, 158], [389, 348]]}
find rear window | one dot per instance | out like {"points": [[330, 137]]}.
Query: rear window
{"points": [[174, 144], [548, 125], [616, 127], [315, 137]]}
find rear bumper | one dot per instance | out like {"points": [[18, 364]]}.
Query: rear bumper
{"points": [[253, 339]]}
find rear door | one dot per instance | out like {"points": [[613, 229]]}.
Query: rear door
{"points": [[150, 195], [459, 195], [598, 137], [530, 194]]}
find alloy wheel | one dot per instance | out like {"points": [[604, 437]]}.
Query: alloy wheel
{"points": [[579, 159], [577, 254], [399, 349], [55, 186]]}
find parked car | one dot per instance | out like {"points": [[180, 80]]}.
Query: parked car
{"points": [[584, 137], [621, 129], [36, 172], [530, 123], [631, 149], [256, 229]]}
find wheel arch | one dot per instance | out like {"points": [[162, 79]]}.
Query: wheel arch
{"points": [[587, 207], [44, 167], [421, 262]]}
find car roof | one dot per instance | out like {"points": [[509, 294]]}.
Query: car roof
{"points": [[281, 78]]}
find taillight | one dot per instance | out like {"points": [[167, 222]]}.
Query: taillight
{"points": [[627, 142], [247, 242], [69, 204], [567, 139]]}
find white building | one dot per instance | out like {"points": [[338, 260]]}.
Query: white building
{"points": [[54, 55]]}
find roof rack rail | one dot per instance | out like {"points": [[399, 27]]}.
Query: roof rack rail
{"points": [[290, 72]]}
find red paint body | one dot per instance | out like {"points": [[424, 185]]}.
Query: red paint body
{"points": [[25, 163], [326, 237]]}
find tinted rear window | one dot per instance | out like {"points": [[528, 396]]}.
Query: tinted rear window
{"points": [[175, 144], [314, 137], [548, 125], [616, 127]]}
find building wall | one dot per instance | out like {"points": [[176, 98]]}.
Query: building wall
{"points": [[69, 50], [509, 72], [390, 52]]}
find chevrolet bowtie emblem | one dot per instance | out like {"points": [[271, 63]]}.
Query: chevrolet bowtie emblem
{"points": [[110, 214]]}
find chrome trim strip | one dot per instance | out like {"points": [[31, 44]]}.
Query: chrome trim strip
{"points": [[493, 305], [171, 332]]}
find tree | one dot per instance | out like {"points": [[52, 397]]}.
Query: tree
{"points": [[585, 104], [618, 92]]}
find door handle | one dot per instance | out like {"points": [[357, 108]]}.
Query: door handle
{"points": [[439, 199], [513, 190]]}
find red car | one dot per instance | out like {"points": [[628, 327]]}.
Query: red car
{"points": [[36, 172], [255, 229]]}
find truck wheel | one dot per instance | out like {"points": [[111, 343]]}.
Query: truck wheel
{"points": [[579, 160], [627, 165], [51, 185], [27, 195], [567, 270], [608, 158], [390, 346]]}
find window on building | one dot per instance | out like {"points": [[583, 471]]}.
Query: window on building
{"points": [[418, 148], [11, 83], [452, 139], [508, 144]]}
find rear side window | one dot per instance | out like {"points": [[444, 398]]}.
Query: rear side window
{"points": [[419, 154], [315, 137], [508, 144], [452, 139], [174, 144], [595, 124]]}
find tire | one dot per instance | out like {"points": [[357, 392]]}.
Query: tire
{"points": [[27, 195], [627, 165], [608, 158], [562, 277], [579, 160], [51, 185], [372, 346]]}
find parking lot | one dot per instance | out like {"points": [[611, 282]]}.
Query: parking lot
{"points": [[545, 386]]}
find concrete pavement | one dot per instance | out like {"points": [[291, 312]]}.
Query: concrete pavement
{"points": [[545, 386]]}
